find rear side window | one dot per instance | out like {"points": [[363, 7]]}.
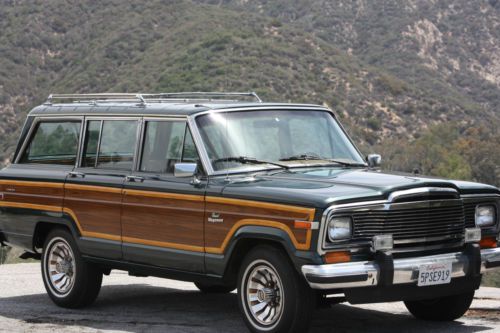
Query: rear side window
{"points": [[53, 143], [110, 144], [166, 143]]}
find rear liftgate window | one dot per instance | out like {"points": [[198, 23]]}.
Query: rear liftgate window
{"points": [[53, 143]]}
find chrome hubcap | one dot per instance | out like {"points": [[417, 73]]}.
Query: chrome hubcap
{"points": [[264, 293], [61, 267]]}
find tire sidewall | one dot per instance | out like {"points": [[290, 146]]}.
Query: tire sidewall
{"points": [[70, 297], [290, 281], [46, 278]]}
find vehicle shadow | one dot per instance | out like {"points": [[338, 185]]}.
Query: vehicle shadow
{"points": [[140, 307]]}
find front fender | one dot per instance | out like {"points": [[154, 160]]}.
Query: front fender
{"points": [[249, 235]]}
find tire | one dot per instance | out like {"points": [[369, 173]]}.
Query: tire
{"points": [[77, 283], [213, 288], [284, 298], [441, 309]]}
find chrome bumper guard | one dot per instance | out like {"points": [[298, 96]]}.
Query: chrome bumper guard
{"points": [[405, 271]]}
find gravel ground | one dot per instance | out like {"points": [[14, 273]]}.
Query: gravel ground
{"points": [[131, 304]]}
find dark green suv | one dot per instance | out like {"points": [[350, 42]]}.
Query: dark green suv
{"points": [[273, 199]]}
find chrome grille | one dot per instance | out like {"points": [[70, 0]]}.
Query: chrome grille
{"points": [[412, 224]]}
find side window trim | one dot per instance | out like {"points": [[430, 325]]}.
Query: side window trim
{"points": [[101, 120], [101, 125], [32, 131], [140, 152]]}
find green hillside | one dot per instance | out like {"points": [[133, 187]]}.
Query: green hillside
{"points": [[417, 81], [356, 59]]}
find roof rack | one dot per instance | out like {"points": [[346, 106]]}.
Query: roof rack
{"points": [[142, 99]]}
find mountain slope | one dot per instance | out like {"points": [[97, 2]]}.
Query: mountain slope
{"points": [[391, 71]]}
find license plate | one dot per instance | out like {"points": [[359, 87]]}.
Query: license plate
{"points": [[432, 274]]}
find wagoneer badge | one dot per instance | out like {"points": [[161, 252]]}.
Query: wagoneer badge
{"points": [[215, 218]]}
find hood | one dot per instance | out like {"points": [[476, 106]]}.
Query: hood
{"points": [[321, 187]]}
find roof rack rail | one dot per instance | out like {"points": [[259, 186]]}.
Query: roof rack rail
{"points": [[153, 97]]}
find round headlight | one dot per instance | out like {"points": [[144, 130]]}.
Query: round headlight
{"points": [[485, 215], [339, 228]]}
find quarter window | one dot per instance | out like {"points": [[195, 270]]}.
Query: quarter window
{"points": [[53, 143], [166, 143]]}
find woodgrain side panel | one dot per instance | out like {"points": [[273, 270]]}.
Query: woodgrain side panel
{"points": [[163, 219], [97, 209], [33, 193], [154, 218]]}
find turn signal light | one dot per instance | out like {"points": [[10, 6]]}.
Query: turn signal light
{"points": [[337, 257], [488, 243]]}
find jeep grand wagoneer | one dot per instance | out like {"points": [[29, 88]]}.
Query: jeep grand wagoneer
{"points": [[272, 199]]}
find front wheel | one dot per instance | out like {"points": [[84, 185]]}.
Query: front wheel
{"points": [[69, 281], [441, 309], [271, 294]]}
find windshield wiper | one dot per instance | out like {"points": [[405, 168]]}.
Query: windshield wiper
{"points": [[311, 157], [248, 160], [302, 157]]}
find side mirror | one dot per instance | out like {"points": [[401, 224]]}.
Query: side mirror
{"points": [[374, 160], [185, 169]]}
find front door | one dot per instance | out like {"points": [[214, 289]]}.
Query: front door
{"points": [[162, 216], [93, 191]]}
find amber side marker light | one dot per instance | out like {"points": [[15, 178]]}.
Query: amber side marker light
{"points": [[488, 243], [337, 257]]}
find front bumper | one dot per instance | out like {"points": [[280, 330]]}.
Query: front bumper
{"points": [[386, 271]]}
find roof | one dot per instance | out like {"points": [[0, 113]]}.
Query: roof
{"points": [[154, 109]]}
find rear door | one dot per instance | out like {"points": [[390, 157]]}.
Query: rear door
{"points": [[162, 217], [32, 188], [93, 191]]}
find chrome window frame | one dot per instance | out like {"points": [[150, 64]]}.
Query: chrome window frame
{"points": [[103, 118], [191, 121], [202, 149], [31, 132], [143, 132]]}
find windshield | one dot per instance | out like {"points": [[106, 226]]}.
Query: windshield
{"points": [[230, 138]]}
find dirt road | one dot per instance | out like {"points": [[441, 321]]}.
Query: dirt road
{"points": [[130, 304]]}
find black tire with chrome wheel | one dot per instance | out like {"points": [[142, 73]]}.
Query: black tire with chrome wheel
{"points": [[69, 281], [271, 294], [441, 309]]}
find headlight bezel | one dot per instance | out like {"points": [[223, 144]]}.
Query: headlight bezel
{"points": [[340, 219], [494, 215]]}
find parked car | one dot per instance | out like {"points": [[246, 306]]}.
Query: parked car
{"points": [[273, 199]]}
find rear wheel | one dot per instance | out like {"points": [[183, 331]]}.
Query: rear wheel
{"points": [[441, 309], [271, 295], [69, 281], [208, 288]]}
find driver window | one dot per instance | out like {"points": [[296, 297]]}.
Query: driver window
{"points": [[166, 143]]}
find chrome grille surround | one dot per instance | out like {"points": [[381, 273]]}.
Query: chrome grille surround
{"points": [[434, 220]]}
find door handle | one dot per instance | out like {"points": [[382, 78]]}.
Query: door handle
{"points": [[134, 179], [76, 174]]}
